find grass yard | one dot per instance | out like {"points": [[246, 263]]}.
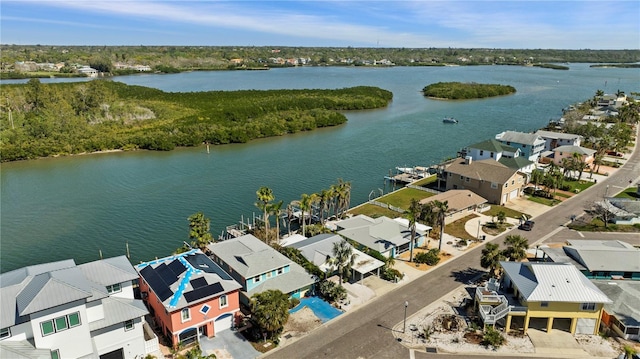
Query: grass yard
{"points": [[631, 193], [546, 201], [426, 181], [374, 211], [456, 228], [597, 225], [402, 197], [578, 185], [511, 213]]}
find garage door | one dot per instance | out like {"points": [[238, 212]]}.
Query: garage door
{"points": [[116, 354], [513, 194], [225, 322], [585, 326]]}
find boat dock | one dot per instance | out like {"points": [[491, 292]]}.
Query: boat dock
{"points": [[409, 174]]}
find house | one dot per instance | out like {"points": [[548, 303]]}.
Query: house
{"points": [[383, 234], [493, 149], [461, 202], [188, 295], [487, 178], [258, 267], [556, 139], [623, 315], [63, 310], [543, 296], [88, 71], [531, 145], [319, 250], [621, 210], [606, 259], [562, 152]]}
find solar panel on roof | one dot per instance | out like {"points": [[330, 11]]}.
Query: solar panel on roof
{"points": [[167, 275], [156, 283], [177, 268], [198, 283], [203, 292]]}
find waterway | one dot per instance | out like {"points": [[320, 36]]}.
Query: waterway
{"points": [[76, 207]]}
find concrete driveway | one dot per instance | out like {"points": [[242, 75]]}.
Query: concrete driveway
{"points": [[228, 344], [555, 343]]}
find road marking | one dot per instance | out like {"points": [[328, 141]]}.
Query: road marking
{"points": [[553, 233], [412, 354], [581, 235]]}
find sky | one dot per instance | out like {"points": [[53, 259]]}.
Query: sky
{"points": [[539, 24]]}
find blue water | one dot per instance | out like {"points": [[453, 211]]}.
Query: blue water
{"points": [[320, 308]]}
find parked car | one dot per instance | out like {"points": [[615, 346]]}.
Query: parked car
{"points": [[527, 225]]}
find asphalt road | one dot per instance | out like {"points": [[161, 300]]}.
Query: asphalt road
{"points": [[365, 332]]}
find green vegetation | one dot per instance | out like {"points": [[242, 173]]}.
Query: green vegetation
{"points": [[457, 229], [426, 181], [508, 212], [552, 66], [465, 91], [597, 225], [430, 257], [542, 200], [621, 66], [492, 338], [631, 193], [402, 197], [373, 211], [70, 118]]}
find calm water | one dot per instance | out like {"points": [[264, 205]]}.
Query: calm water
{"points": [[74, 207]]}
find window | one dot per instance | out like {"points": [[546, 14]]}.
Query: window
{"points": [[544, 304], [633, 330], [185, 314], [61, 324], [269, 274], [5, 333], [588, 306], [55, 354], [491, 155], [47, 328], [513, 182], [481, 152], [494, 185], [506, 185], [114, 288], [128, 325], [256, 279], [205, 309], [73, 319], [461, 177], [223, 301], [281, 270]]}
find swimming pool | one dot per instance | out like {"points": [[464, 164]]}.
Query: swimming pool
{"points": [[320, 308]]}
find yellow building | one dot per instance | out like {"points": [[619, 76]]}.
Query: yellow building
{"points": [[542, 296]]}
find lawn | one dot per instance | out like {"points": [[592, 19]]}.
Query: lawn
{"points": [[402, 197], [596, 225], [511, 213], [578, 185], [426, 181], [374, 211], [631, 193], [546, 201], [456, 228]]}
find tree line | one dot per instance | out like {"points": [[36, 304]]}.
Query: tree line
{"points": [[40, 120], [465, 91]]}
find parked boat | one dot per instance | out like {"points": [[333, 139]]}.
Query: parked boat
{"points": [[449, 120]]}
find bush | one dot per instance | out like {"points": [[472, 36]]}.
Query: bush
{"points": [[331, 291], [391, 274], [293, 302], [430, 258], [493, 338]]}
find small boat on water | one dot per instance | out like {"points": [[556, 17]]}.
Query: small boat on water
{"points": [[449, 120]]}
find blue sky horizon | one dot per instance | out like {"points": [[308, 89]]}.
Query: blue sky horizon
{"points": [[539, 24]]}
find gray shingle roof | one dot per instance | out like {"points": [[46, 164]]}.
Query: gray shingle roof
{"points": [[624, 294], [457, 199], [485, 170], [575, 149], [557, 135], [515, 163], [604, 256], [381, 235], [552, 282], [248, 255], [494, 146]]}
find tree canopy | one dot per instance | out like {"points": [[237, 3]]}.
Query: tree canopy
{"points": [[465, 91]]}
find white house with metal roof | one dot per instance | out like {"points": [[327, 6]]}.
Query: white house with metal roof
{"points": [[543, 296], [387, 236], [63, 310], [319, 249], [258, 267], [556, 139], [531, 145]]}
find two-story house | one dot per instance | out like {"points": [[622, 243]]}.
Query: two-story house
{"points": [[389, 237], [556, 139], [257, 267], [568, 151], [543, 296], [63, 310], [531, 145], [489, 179], [507, 155], [189, 296]]}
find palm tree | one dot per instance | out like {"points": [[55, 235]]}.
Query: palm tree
{"points": [[442, 207], [324, 197], [199, 227], [306, 203], [491, 257], [412, 214], [537, 176], [265, 196], [276, 210], [270, 310], [516, 247], [343, 258]]}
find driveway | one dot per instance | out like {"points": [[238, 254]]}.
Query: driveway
{"points": [[228, 344]]}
